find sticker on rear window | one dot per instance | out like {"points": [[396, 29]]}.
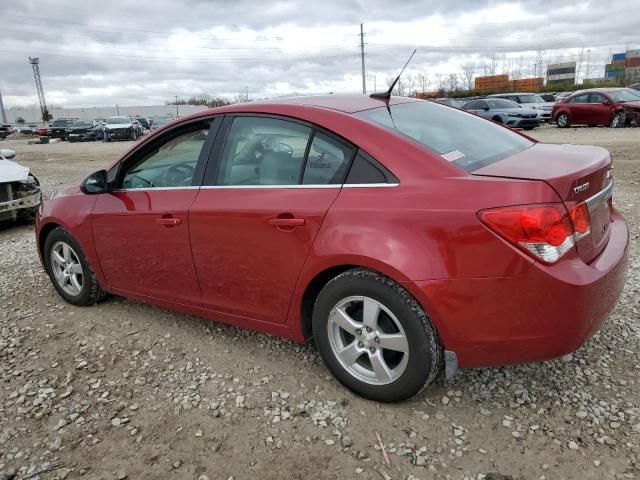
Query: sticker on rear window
{"points": [[453, 156]]}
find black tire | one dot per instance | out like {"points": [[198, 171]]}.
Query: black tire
{"points": [[134, 134], [563, 121], [618, 120], [424, 358], [528, 128], [91, 291]]}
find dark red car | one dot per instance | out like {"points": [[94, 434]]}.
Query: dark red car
{"points": [[613, 107], [402, 236]]}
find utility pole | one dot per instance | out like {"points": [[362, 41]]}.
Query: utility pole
{"points": [[3, 117], [117, 110], [246, 93], [176, 105], [36, 75], [364, 81]]}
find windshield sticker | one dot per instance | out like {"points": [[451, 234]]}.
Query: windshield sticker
{"points": [[453, 156]]}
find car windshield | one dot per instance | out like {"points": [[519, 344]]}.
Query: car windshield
{"points": [[625, 95], [115, 120], [461, 138], [501, 103], [61, 123], [83, 124], [531, 99]]}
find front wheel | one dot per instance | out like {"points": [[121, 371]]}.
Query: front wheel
{"points": [[618, 120], [70, 272], [562, 120], [375, 337]]}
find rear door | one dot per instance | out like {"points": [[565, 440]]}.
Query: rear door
{"points": [[141, 228], [579, 109], [267, 188]]}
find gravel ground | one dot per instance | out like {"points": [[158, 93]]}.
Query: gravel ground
{"points": [[125, 390]]}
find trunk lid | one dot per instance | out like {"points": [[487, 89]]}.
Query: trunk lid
{"points": [[578, 173]]}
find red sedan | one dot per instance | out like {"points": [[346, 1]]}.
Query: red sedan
{"points": [[402, 236], [611, 107]]}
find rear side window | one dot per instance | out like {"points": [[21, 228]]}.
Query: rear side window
{"points": [[580, 99], [458, 137], [366, 170], [327, 162]]}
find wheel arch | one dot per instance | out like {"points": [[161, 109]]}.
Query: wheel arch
{"points": [[45, 230]]}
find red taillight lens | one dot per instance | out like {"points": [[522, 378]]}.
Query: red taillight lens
{"points": [[546, 231], [580, 218]]}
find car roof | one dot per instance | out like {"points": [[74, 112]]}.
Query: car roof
{"points": [[342, 103]]}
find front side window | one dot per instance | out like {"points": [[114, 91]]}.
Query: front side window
{"points": [[172, 164], [463, 139], [581, 98], [596, 98], [263, 151]]}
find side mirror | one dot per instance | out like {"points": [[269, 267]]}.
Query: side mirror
{"points": [[95, 183], [606, 102]]}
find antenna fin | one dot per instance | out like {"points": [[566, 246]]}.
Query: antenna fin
{"points": [[387, 95]]}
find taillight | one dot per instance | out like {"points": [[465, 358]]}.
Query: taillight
{"points": [[546, 231]]}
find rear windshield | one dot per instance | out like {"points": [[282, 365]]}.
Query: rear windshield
{"points": [[464, 139]]}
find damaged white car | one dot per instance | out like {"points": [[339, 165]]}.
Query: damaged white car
{"points": [[20, 193]]}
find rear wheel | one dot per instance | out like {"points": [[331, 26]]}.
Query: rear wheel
{"points": [[70, 272], [618, 120], [562, 120], [375, 337]]}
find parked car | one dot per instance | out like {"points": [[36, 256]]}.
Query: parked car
{"points": [[452, 102], [403, 237], [144, 123], [120, 128], [5, 130], [613, 107], [58, 128], [548, 97], [530, 100], [504, 111], [83, 130], [27, 129], [43, 131], [561, 96], [157, 122], [20, 192], [635, 86]]}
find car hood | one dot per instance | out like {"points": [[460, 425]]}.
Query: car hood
{"points": [[631, 104], [11, 171], [118, 125]]}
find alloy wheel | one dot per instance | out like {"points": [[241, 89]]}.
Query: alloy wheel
{"points": [[67, 268], [562, 120], [368, 340]]}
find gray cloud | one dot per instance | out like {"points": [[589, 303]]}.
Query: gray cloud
{"points": [[124, 51]]}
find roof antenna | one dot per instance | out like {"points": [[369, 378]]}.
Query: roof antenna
{"points": [[387, 95]]}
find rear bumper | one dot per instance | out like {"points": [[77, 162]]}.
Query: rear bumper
{"points": [[546, 312]]}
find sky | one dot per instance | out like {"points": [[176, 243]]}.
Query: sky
{"points": [[132, 52]]}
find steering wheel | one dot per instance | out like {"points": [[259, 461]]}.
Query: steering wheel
{"points": [[285, 147], [175, 174]]}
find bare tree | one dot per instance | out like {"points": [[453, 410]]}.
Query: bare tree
{"points": [[452, 82], [468, 72], [490, 66], [423, 82]]}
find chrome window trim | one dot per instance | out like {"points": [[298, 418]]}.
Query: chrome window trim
{"points": [[151, 189], [218, 187]]}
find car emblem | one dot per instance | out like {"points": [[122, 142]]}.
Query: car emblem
{"points": [[581, 188]]}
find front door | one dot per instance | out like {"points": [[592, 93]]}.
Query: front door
{"points": [[254, 223], [599, 112], [579, 109], [141, 229]]}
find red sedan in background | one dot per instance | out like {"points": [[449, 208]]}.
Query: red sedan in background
{"points": [[402, 236], [612, 107]]}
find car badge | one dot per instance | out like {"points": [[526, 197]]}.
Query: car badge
{"points": [[581, 188]]}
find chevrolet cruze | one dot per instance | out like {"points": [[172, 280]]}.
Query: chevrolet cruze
{"points": [[404, 238]]}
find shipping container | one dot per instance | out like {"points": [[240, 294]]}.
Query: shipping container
{"points": [[632, 53], [595, 80], [633, 62], [632, 75], [613, 66], [618, 62], [615, 73], [562, 76], [618, 56]]}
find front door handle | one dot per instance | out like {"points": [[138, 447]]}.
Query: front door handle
{"points": [[286, 222], [168, 221]]}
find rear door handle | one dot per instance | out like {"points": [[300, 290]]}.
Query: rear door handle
{"points": [[168, 221], [286, 222]]}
